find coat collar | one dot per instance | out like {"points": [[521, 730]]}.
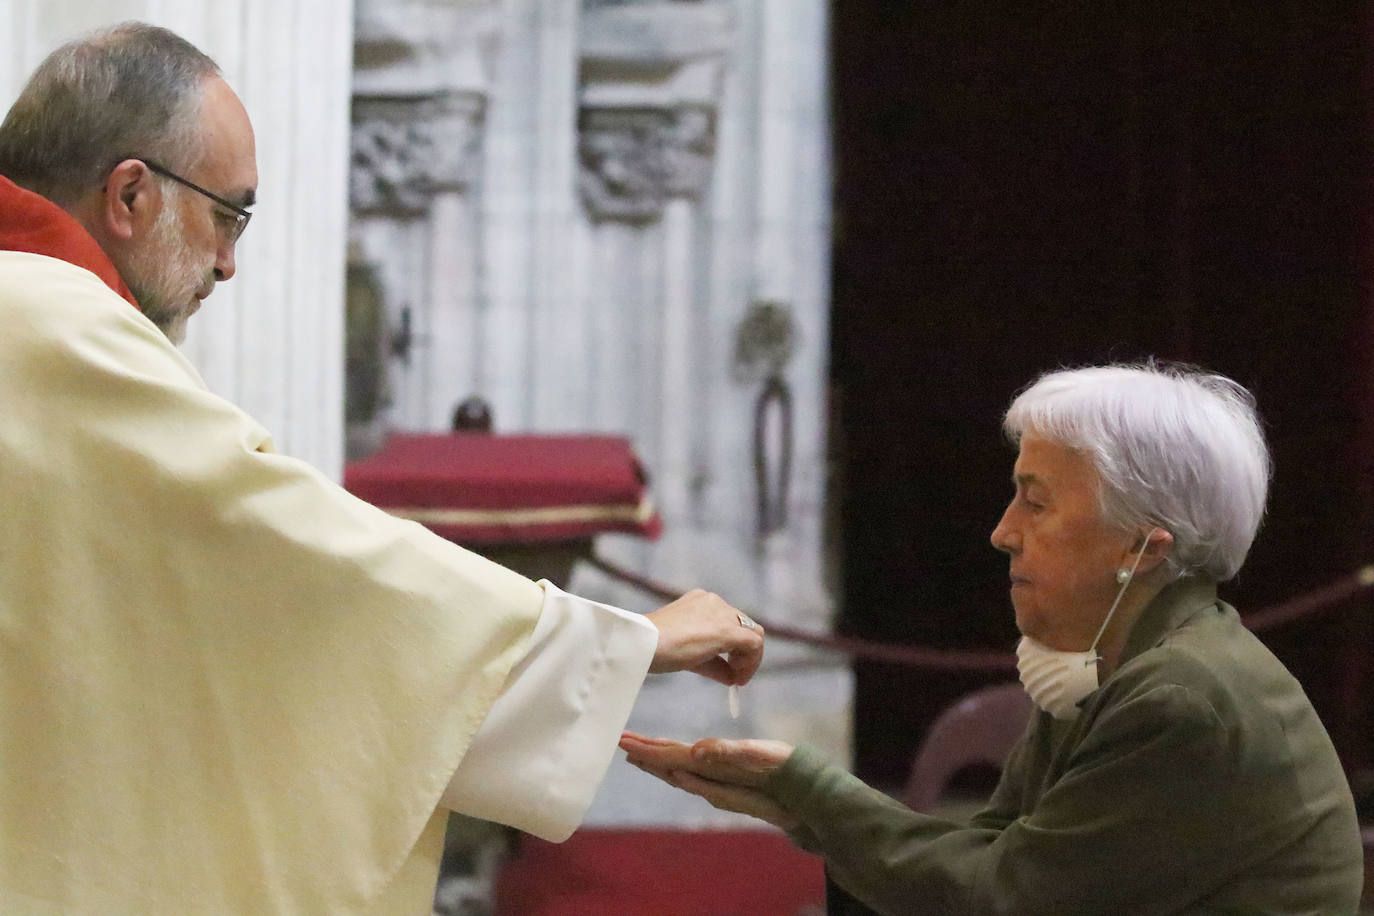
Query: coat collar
{"points": [[31, 223], [1175, 605]]}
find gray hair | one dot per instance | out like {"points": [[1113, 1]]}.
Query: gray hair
{"points": [[1175, 447], [128, 91]]}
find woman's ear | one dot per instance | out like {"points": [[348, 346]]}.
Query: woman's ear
{"points": [[1155, 549]]}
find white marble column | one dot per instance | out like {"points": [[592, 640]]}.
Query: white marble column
{"points": [[453, 319], [792, 216], [414, 168], [13, 32], [649, 173], [677, 424], [743, 293], [528, 232]]}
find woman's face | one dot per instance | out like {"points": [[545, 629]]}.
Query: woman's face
{"points": [[1064, 558]]}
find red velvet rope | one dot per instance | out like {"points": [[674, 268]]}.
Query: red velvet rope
{"points": [[1305, 605]]}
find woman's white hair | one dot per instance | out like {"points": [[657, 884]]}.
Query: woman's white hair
{"points": [[1175, 448]]}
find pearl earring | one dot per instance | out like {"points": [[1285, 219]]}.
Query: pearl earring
{"points": [[1122, 575]]}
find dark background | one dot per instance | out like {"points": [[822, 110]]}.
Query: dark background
{"points": [[1025, 187]]}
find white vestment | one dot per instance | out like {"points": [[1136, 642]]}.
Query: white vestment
{"points": [[226, 685]]}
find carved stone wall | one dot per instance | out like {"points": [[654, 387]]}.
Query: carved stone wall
{"points": [[632, 160], [583, 211], [407, 150]]}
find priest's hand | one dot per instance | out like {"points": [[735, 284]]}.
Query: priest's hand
{"points": [[729, 774], [700, 632]]}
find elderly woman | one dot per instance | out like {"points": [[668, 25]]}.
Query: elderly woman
{"points": [[1173, 765]]}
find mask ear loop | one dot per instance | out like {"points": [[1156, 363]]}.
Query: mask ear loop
{"points": [[1119, 594]]}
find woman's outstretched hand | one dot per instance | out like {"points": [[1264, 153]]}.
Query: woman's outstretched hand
{"points": [[727, 773]]}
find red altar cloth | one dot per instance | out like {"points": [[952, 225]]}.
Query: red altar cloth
{"points": [[481, 488]]}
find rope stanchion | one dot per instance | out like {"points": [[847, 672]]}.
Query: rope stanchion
{"points": [[1344, 588], [975, 660], [938, 659]]}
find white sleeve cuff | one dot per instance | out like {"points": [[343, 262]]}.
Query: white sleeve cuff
{"points": [[540, 754]]}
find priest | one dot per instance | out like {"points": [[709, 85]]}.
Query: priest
{"points": [[226, 685]]}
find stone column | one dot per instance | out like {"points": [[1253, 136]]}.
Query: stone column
{"points": [[422, 96], [705, 184], [455, 358], [650, 87], [532, 358], [12, 62], [414, 162]]}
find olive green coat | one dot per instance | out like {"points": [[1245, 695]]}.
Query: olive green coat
{"points": [[1197, 779]]}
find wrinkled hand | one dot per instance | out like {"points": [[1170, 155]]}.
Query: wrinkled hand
{"points": [[725, 772], [700, 632]]}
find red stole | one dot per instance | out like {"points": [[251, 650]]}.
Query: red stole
{"points": [[32, 223]]}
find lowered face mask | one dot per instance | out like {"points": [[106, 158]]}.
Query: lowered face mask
{"points": [[1058, 681]]}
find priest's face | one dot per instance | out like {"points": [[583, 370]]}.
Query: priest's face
{"points": [[190, 246], [166, 277]]}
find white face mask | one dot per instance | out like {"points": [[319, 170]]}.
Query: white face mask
{"points": [[1058, 681]]}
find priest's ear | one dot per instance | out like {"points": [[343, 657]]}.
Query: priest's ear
{"points": [[130, 200]]}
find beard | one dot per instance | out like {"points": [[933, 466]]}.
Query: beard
{"points": [[164, 277]]}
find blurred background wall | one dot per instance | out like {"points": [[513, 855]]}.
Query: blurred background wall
{"points": [[602, 216], [1021, 188]]}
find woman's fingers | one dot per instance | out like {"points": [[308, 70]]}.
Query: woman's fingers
{"points": [[659, 751], [746, 762], [726, 797], [752, 755]]}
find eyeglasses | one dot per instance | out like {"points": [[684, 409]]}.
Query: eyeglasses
{"points": [[240, 216]]}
